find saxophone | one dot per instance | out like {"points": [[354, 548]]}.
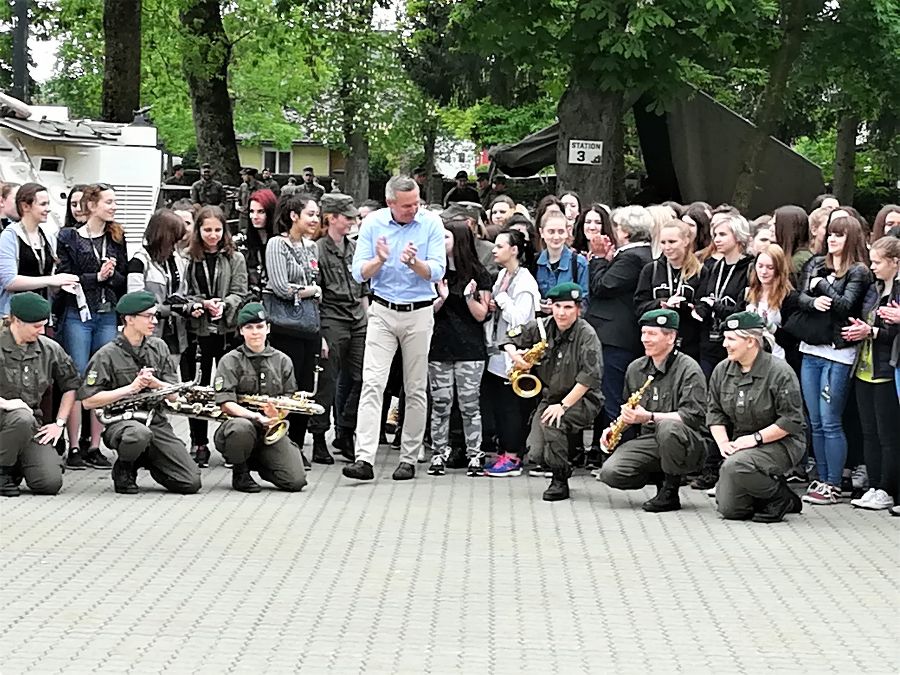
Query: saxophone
{"points": [[525, 384], [200, 403], [141, 407], [618, 427]]}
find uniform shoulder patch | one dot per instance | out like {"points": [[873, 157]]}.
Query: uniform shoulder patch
{"points": [[91, 378], [513, 332], [220, 382]]}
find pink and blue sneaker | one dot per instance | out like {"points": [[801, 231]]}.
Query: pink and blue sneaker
{"points": [[505, 465]]}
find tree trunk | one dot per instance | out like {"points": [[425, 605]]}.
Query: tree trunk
{"points": [[434, 185], [122, 67], [356, 176], [588, 113], [845, 158], [794, 16], [207, 53]]}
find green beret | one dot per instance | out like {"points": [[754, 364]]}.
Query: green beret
{"points": [[744, 321], [334, 202], [565, 292], [135, 303], [29, 307], [661, 318], [252, 312], [460, 211]]}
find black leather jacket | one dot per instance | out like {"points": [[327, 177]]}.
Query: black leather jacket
{"points": [[847, 294]]}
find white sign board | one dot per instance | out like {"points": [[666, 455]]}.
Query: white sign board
{"points": [[585, 152]]}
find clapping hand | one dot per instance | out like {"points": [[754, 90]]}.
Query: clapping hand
{"points": [[822, 303], [443, 289], [409, 253], [856, 331], [382, 250], [890, 313], [471, 288], [106, 269]]}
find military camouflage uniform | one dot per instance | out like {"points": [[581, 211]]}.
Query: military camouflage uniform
{"points": [[271, 373], [26, 372], [208, 193], [155, 447], [746, 403], [674, 448], [571, 357]]}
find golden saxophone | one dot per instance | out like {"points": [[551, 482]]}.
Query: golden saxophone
{"points": [[525, 384], [200, 403], [618, 427]]}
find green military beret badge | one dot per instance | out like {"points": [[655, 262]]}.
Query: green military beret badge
{"points": [[744, 321], [565, 292], [663, 318], [252, 312], [29, 307], [135, 303], [220, 382], [91, 378]]}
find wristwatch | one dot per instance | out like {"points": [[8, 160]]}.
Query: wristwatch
{"points": [[758, 438], [563, 406], [411, 262], [61, 423]]}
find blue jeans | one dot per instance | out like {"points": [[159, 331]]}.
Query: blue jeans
{"points": [[826, 385], [82, 338], [615, 363], [897, 380]]}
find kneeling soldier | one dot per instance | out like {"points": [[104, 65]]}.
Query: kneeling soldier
{"points": [[755, 415], [670, 441], [570, 372], [29, 364], [255, 368], [133, 363]]}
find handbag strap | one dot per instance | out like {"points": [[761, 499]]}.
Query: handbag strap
{"points": [[299, 259]]}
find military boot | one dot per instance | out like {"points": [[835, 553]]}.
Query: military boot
{"points": [[559, 485], [320, 454], [124, 476], [241, 480], [774, 510], [666, 498], [9, 486]]}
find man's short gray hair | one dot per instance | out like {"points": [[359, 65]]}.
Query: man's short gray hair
{"points": [[636, 221], [399, 184]]}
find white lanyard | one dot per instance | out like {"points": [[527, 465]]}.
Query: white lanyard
{"points": [[719, 286]]}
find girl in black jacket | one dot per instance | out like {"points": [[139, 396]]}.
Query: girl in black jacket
{"points": [[673, 281]]}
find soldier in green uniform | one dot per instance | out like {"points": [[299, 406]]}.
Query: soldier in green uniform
{"points": [[570, 371], [755, 414], [255, 368], [342, 312], [29, 364], [671, 417], [133, 363]]}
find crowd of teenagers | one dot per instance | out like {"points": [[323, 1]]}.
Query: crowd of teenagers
{"points": [[821, 283]]}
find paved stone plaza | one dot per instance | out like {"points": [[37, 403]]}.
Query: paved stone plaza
{"points": [[436, 575]]}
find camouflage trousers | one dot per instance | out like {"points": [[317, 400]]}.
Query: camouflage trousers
{"points": [[466, 375]]}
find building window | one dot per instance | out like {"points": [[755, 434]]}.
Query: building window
{"points": [[276, 161]]}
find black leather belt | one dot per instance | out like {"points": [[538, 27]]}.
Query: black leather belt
{"points": [[403, 306]]}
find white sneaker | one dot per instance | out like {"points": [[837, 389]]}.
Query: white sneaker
{"points": [[711, 492], [860, 503], [879, 501]]}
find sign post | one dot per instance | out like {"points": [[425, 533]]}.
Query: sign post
{"points": [[585, 152]]}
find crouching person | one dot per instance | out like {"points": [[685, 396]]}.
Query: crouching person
{"points": [[670, 442], [255, 368], [29, 364], [755, 414], [133, 363], [570, 372]]}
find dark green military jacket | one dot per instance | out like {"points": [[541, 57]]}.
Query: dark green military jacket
{"points": [[748, 402], [242, 371], [27, 371], [340, 291], [572, 356], [679, 385], [208, 192], [117, 363]]}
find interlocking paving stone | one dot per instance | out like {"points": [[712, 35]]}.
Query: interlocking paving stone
{"points": [[435, 575]]}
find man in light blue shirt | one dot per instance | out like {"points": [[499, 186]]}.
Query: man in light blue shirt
{"points": [[400, 252]]}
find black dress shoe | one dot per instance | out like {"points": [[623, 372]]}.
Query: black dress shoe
{"points": [[774, 510], [242, 481], [359, 471], [124, 476], [306, 464], [202, 456], [8, 485], [559, 486], [320, 454], [405, 471], [666, 498]]}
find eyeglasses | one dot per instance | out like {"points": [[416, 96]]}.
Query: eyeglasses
{"points": [[149, 315]]}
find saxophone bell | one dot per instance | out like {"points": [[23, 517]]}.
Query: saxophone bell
{"points": [[525, 385]]}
